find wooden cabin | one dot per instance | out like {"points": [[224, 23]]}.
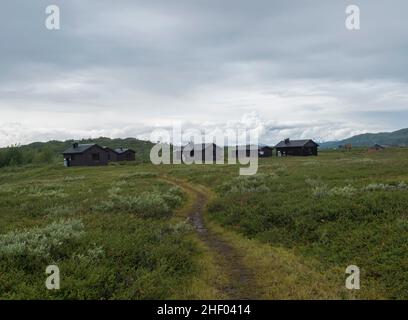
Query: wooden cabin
{"points": [[85, 155], [206, 152], [123, 154], [376, 147], [265, 151], [112, 155], [94, 155], [261, 151], [289, 147]]}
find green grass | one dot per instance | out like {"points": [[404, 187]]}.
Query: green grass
{"points": [[120, 231], [132, 249], [338, 209]]}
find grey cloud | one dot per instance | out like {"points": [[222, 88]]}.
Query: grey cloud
{"points": [[135, 63]]}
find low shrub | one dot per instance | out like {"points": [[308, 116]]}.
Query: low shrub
{"points": [[246, 184], [320, 189], [382, 186], [139, 175], [346, 191], [148, 204], [92, 255], [40, 242], [59, 211], [73, 178], [40, 191], [174, 197]]}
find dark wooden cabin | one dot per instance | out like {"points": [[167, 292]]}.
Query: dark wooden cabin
{"points": [[376, 147], [123, 154], [262, 151], [297, 148], [112, 155], [85, 155], [210, 152], [265, 151]]}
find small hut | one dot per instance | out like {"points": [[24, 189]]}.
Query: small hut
{"points": [[289, 147], [85, 155], [123, 154], [376, 147]]}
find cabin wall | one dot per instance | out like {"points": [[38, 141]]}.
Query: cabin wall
{"points": [[94, 156], [265, 152], [298, 151], [126, 156], [112, 156], [208, 155]]}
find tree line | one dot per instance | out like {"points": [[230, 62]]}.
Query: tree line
{"points": [[15, 155]]}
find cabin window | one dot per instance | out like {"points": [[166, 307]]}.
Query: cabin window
{"points": [[95, 156]]}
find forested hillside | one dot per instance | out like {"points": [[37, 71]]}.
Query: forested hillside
{"points": [[396, 138]]}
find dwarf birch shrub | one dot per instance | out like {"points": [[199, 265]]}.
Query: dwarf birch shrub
{"points": [[346, 191], [104, 206], [92, 255], [41, 191], [73, 178], [139, 175], [114, 192], [40, 242], [246, 184], [382, 186], [181, 228], [148, 205], [59, 211], [174, 197], [6, 188], [319, 189], [311, 163]]}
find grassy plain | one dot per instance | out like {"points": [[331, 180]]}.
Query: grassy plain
{"points": [[121, 232]]}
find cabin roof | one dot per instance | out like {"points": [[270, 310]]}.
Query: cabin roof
{"points": [[122, 150], [294, 143], [79, 149], [255, 147], [201, 146], [377, 146]]}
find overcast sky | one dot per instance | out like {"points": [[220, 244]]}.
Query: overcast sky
{"points": [[121, 68]]}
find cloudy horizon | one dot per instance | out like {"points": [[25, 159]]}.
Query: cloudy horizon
{"points": [[287, 68]]}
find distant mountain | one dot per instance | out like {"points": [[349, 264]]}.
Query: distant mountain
{"points": [[396, 138]]}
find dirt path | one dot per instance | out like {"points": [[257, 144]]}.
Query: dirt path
{"points": [[241, 284]]}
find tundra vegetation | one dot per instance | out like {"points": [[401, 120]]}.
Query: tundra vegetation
{"points": [[121, 232]]}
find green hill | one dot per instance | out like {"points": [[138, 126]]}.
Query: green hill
{"points": [[396, 138], [49, 152]]}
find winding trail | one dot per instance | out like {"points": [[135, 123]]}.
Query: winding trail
{"points": [[241, 283]]}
